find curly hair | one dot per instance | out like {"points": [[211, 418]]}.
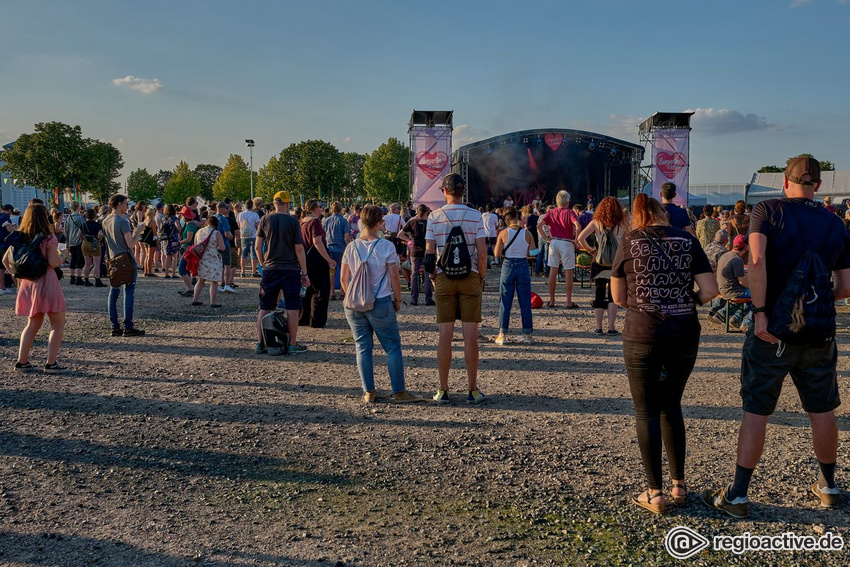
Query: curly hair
{"points": [[609, 212]]}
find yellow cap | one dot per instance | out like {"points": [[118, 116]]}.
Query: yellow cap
{"points": [[282, 197]]}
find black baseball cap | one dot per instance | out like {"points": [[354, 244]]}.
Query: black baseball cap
{"points": [[453, 181]]}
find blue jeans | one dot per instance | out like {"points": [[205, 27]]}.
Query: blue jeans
{"points": [[540, 262], [416, 265], [129, 295], [336, 257], [382, 320], [515, 276]]}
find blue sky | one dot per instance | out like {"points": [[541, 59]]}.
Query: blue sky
{"points": [[165, 81]]}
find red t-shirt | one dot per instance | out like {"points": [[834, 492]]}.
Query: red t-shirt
{"points": [[310, 230], [560, 222]]}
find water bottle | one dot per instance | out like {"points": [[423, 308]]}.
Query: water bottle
{"points": [[303, 291]]}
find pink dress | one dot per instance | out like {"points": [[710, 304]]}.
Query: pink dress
{"points": [[43, 295]]}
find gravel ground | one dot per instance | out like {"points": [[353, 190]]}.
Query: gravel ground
{"points": [[184, 448]]}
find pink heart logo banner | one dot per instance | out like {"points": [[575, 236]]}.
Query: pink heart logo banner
{"points": [[554, 141], [670, 162], [432, 164]]}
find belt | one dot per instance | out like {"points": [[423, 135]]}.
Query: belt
{"points": [[567, 239]]}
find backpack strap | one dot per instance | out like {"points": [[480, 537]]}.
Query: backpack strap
{"points": [[802, 233], [519, 230]]}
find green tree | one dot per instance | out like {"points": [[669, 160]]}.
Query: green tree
{"points": [[53, 156], [354, 186], [308, 169], [234, 181], [142, 186], [163, 176], [207, 174], [182, 185], [771, 169], [102, 165], [824, 165], [269, 180], [386, 173]]}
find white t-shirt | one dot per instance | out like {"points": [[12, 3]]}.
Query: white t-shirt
{"points": [[491, 224], [248, 222], [382, 256], [393, 222], [508, 202], [441, 221]]}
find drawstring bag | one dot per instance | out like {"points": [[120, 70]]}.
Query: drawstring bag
{"points": [[361, 295]]}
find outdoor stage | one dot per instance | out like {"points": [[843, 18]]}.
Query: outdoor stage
{"points": [[536, 164]]}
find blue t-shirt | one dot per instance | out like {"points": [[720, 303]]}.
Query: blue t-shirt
{"points": [[224, 226], [336, 228], [678, 217]]}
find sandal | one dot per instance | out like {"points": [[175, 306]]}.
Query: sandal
{"points": [[572, 306], [680, 499], [550, 305], [648, 505]]}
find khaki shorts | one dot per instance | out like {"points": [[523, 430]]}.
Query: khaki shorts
{"points": [[458, 299], [234, 256]]}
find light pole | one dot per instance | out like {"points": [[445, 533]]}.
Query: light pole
{"points": [[250, 144]]}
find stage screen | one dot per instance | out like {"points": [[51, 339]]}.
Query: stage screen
{"points": [[542, 167]]}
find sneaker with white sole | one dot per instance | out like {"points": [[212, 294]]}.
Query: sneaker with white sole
{"points": [[828, 496], [54, 368], [441, 397], [526, 339], [475, 397], [228, 289], [501, 339], [738, 508]]}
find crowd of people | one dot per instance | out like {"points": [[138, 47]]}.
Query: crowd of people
{"points": [[657, 261]]}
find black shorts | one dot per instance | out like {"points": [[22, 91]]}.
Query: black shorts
{"points": [[812, 369], [276, 281]]}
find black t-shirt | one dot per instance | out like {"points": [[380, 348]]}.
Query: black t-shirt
{"points": [[280, 233], [678, 217], [660, 299], [234, 226], [531, 226], [417, 228], [92, 228], [822, 230]]}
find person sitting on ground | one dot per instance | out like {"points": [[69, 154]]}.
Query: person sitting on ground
{"points": [[381, 259]]}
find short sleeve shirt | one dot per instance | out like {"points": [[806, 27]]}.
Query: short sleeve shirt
{"points": [[248, 221], [280, 233], [560, 223], [5, 223], [678, 217], [417, 227], [311, 229], [114, 229], [224, 226], [336, 228], [660, 301], [383, 255], [442, 220], [730, 267], [790, 225]]}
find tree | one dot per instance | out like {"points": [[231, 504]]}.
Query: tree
{"points": [[142, 186], [354, 186], [182, 185], [824, 165], [308, 169], [771, 169], [102, 165], [53, 156], [269, 180], [163, 176], [207, 174], [234, 181], [386, 173]]}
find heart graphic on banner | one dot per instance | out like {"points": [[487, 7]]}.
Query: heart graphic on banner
{"points": [[432, 163], [554, 141], [670, 164]]}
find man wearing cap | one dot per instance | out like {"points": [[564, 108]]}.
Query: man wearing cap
{"points": [[781, 232], [732, 282], [457, 298], [190, 226], [284, 269], [6, 228]]}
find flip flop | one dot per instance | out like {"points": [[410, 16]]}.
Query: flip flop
{"points": [[572, 306], [648, 505], [550, 305]]}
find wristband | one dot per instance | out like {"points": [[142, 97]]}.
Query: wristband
{"points": [[757, 310]]}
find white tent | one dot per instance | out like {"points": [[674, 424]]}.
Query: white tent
{"points": [[835, 184]]}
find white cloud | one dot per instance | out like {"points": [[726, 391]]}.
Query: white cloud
{"points": [[463, 134], [798, 3], [623, 127], [717, 121], [147, 86]]}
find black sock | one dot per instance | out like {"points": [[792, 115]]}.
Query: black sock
{"points": [[742, 483], [826, 479]]}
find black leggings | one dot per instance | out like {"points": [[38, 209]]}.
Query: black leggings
{"points": [[314, 307], [658, 401], [603, 298], [77, 259]]}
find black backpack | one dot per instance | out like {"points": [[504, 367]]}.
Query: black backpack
{"points": [[165, 230], [455, 260], [276, 333], [804, 314], [606, 246], [27, 262]]}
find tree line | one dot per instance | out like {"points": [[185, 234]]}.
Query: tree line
{"points": [[57, 156]]}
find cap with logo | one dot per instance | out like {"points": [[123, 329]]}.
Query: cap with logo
{"points": [[282, 197], [800, 166]]}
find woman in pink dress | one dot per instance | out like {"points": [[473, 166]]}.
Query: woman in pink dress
{"points": [[42, 296]]}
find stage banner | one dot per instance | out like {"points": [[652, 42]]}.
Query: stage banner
{"points": [[670, 162], [431, 149]]}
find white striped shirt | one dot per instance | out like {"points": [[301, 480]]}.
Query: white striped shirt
{"points": [[441, 222]]}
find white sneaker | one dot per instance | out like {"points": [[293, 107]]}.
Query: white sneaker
{"points": [[228, 289], [501, 339], [526, 339]]}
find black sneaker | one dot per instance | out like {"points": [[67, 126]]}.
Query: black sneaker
{"points": [[25, 367], [87, 283], [133, 332], [80, 281], [117, 332], [54, 368]]}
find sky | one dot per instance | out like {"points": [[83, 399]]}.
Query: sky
{"points": [[191, 80]]}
